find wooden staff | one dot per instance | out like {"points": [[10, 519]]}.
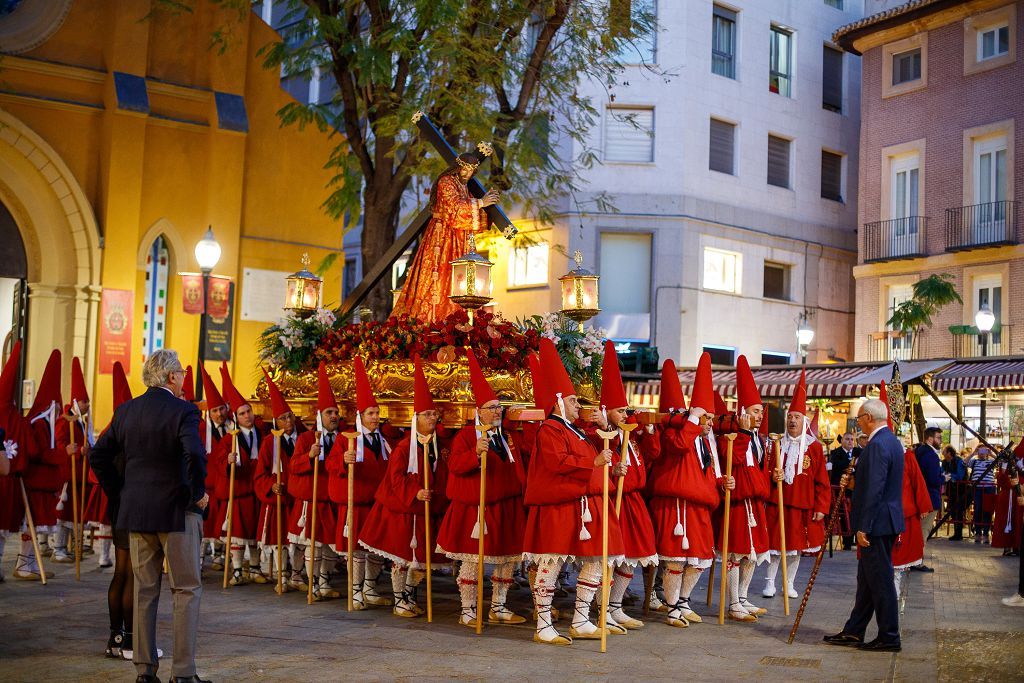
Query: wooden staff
{"points": [[847, 478], [605, 574], [74, 499], [81, 496], [230, 518], [350, 518], [782, 525], [725, 529], [277, 433], [711, 582], [626, 429], [32, 530], [484, 430], [312, 527], [425, 439]]}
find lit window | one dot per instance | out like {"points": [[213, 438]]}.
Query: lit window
{"points": [[722, 270], [993, 42], [528, 265], [154, 308]]}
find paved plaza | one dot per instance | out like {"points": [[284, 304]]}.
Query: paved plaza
{"points": [[954, 629]]}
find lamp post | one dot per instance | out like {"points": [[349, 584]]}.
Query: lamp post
{"points": [[207, 254], [984, 320], [804, 336], [579, 292], [471, 280]]}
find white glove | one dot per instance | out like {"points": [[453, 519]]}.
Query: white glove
{"points": [[10, 449]]}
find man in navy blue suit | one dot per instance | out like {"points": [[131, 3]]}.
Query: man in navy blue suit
{"points": [[877, 516]]}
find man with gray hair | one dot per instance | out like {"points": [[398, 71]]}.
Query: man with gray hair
{"points": [[163, 497], [877, 515]]}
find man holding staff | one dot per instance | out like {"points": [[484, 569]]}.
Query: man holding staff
{"points": [[214, 433]]}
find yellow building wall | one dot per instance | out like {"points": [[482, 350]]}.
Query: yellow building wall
{"points": [[173, 171]]}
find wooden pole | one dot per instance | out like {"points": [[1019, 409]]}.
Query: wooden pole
{"points": [[32, 530], [74, 499], [312, 526], [231, 503], [711, 582], [81, 495], [626, 429], [725, 530], [428, 551], [483, 429], [782, 525], [605, 574], [276, 434], [350, 519]]}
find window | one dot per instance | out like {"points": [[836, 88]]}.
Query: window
{"points": [[639, 50], [993, 42], [988, 291], [154, 308], [528, 265], [905, 189], [831, 176], [838, 4], [721, 146], [778, 161], [780, 65], [990, 170], [349, 281], [899, 347], [625, 272], [776, 281], [723, 42], [832, 79], [629, 135], [722, 270], [721, 355], [906, 66], [775, 358]]}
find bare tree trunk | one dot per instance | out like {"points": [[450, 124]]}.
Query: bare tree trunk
{"points": [[380, 224]]}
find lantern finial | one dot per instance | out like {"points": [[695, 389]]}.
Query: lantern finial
{"points": [[305, 260], [577, 256]]}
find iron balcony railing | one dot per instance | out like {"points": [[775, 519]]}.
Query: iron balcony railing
{"points": [[897, 238], [981, 225], [970, 344], [886, 346]]}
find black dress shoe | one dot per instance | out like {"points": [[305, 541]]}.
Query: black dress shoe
{"points": [[188, 679], [922, 568], [146, 678], [844, 639], [877, 645]]}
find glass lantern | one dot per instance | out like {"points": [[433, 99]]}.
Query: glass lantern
{"points": [[471, 284], [304, 288], [579, 292]]}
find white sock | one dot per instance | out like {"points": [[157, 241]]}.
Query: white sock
{"points": [[621, 577], [236, 556], [587, 585], [792, 564], [467, 590], [60, 537], [746, 576], [690, 578], [298, 556], [543, 592], [773, 568], [358, 573], [671, 583], [27, 557], [501, 581], [733, 579], [897, 577], [398, 583]]}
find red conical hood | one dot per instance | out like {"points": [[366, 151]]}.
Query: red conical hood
{"points": [[188, 388], [122, 391], [746, 389], [814, 422], [799, 402], [49, 386], [324, 394], [763, 429], [613, 393], [422, 400], [482, 391], [883, 396], [234, 397], [671, 390], [213, 397], [278, 406], [364, 392], [9, 377], [703, 388], [539, 393], [78, 390], [720, 407], [556, 379]]}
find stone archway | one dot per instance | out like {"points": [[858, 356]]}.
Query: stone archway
{"points": [[62, 245]]}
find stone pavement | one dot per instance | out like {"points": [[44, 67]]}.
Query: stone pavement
{"points": [[954, 629]]}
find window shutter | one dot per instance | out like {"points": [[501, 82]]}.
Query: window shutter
{"points": [[629, 135], [831, 176], [832, 79], [723, 136], [778, 161]]}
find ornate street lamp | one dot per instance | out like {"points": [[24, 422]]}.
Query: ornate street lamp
{"points": [[804, 335], [207, 253], [985, 320], [304, 289], [579, 292], [471, 280]]}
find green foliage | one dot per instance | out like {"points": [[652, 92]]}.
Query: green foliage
{"points": [[930, 295], [581, 351]]}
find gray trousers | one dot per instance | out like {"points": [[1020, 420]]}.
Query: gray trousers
{"points": [[181, 549]]}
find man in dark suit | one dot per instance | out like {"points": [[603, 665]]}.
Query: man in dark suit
{"points": [[877, 516], [838, 460], [927, 454], [163, 497]]}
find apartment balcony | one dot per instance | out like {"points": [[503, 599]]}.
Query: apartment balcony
{"points": [[898, 238], [968, 343], [888, 345], [981, 225]]}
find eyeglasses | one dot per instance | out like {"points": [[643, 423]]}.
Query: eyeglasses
{"points": [[862, 415]]}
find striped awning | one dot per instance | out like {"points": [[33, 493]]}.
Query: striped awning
{"points": [[1002, 374]]}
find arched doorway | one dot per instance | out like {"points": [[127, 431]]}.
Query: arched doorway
{"points": [[13, 286], [48, 220]]}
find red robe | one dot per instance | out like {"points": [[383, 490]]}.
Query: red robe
{"points": [[16, 430], [216, 483], [748, 529], [561, 484], [368, 475], [634, 518], [809, 493], [263, 479], [245, 507], [396, 527], [65, 512], [683, 495], [1007, 509], [47, 470], [909, 546], [504, 515], [300, 486]]}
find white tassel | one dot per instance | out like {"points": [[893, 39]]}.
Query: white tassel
{"points": [[686, 541], [414, 460], [63, 497], [302, 517], [584, 534], [678, 529], [586, 516], [412, 542], [475, 534], [344, 531], [359, 439]]}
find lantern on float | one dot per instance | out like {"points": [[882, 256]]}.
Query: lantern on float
{"points": [[471, 280], [579, 292], [304, 288]]}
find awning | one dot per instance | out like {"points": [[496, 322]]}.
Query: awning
{"points": [[910, 370], [981, 373]]}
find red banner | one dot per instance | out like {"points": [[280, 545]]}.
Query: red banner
{"points": [[192, 293], [218, 296], [116, 329]]}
